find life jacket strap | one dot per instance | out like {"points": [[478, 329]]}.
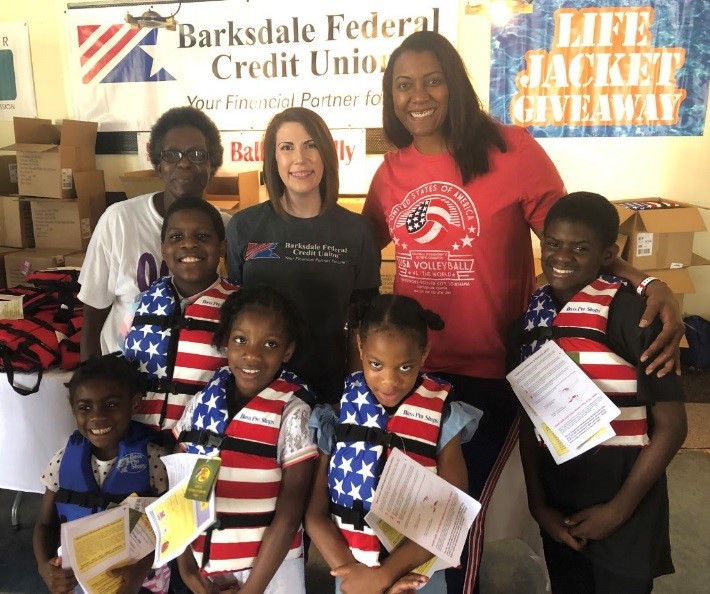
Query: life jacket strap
{"points": [[376, 436], [227, 442], [354, 516], [554, 332]]}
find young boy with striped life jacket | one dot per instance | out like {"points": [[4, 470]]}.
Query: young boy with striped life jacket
{"points": [[603, 514], [170, 335], [108, 458], [253, 415], [388, 404]]}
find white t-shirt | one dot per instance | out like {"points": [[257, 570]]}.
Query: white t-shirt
{"points": [[122, 260]]}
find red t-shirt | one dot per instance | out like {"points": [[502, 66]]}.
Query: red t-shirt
{"points": [[465, 251]]}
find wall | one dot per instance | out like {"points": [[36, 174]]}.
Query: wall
{"points": [[616, 167]]}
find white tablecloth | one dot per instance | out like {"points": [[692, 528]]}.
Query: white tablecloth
{"points": [[32, 429]]}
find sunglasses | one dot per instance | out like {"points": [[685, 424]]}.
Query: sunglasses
{"points": [[193, 155]]}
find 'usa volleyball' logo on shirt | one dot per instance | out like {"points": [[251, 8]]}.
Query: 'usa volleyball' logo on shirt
{"points": [[434, 228], [119, 54], [429, 220]]}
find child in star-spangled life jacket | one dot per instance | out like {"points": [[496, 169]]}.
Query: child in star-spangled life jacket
{"points": [[170, 333], [108, 458], [252, 413], [603, 514], [388, 404]]}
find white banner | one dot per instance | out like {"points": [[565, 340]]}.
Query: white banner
{"points": [[244, 151], [17, 90], [242, 62]]}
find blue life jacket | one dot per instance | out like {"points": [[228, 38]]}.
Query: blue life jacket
{"points": [[79, 494]]}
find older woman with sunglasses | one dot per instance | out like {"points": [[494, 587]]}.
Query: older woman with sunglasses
{"points": [[123, 257]]}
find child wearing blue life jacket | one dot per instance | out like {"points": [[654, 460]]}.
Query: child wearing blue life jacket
{"points": [[170, 335], [108, 458], [604, 514], [378, 402], [252, 414]]}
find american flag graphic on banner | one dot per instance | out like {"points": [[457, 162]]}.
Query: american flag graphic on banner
{"points": [[256, 251], [428, 221], [119, 54]]}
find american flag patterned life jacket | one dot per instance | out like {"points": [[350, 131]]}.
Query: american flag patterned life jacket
{"points": [[580, 330], [174, 349], [249, 476], [365, 435]]}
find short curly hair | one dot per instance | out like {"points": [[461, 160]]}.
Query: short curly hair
{"points": [[194, 203], [113, 367], [590, 209], [258, 296], [185, 116]]}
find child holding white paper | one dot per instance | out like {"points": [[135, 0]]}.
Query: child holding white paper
{"points": [[253, 415], [603, 514], [107, 459], [389, 404]]}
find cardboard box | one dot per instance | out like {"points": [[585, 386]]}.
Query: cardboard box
{"points": [[8, 174], [69, 223], [49, 155], [75, 259], [387, 273], [3, 252], [15, 223], [223, 192], [226, 192], [21, 263], [680, 282], [352, 203], [137, 183], [249, 188], [659, 237]]}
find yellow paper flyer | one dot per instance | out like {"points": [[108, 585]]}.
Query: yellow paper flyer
{"points": [[177, 521]]}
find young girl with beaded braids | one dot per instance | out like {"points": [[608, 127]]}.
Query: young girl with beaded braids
{"points": [[390, 396], [253, 414]]}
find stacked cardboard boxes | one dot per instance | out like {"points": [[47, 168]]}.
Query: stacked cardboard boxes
{"points": [[8, 174], [15, 219], [660, 241], [59, 195]]}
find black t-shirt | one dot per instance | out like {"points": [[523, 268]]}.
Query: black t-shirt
{"points": [[318, 262], [641, 547]]}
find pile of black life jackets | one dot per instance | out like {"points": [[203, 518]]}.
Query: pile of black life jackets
{"points": [[49, 334]]}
